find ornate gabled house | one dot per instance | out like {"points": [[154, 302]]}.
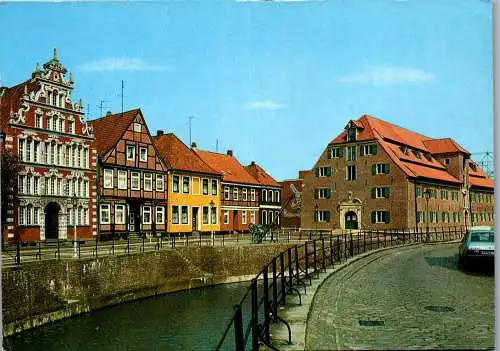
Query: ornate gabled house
{"points": [[240, 191], [132, 177], [53, 141], [194, 187], [270, 195], [379, 175]]}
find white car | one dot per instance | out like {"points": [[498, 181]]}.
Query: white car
{"points": [[477, 245]]}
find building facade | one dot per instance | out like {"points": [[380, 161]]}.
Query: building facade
{"points": [[53, 141], [132, 177], [194, 188], [240, 192], [270, 195], [378, 175]]}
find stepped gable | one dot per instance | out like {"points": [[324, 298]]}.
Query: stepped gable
{"points": [[228, 166], [260, 175], [179, 156]]}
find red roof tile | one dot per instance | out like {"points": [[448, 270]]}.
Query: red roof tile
{"points": [[179, 156], [229, 166], [260, 175], [109, 129], [443, 146], [432, 173], [477, 177], [11, 100]]}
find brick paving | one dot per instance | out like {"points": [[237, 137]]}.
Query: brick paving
{"points": [[395, 287]]}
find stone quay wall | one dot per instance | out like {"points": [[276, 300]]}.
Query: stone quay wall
{"points": [[37, 293]]}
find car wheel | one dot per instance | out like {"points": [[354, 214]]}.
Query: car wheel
{"points": [[461, 261]]}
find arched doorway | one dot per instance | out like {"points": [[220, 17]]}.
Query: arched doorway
{"points": [[351, 220], [52, 220]]}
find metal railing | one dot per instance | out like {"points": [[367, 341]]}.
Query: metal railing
{"points": [[290, 271]]}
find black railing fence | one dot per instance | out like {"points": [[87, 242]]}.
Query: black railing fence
{"points": [[291, 272]]}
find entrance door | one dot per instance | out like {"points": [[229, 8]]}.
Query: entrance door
{"points": [[235, 220], [134, 219], [195, 218], [52, 221], [351, 220]]}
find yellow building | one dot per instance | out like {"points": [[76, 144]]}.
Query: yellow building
{"points": [[193, 201]]}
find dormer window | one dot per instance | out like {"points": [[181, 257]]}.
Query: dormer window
{"points": [[404, 150], [473, 167], [447, 161], [428, 156], [417, 154], [351, 134]]}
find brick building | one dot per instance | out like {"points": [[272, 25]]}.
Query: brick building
{"points": [[378, 175], [53, 141]]}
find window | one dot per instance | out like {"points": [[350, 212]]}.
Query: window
{"points": [[148, 181], [175, 184], [322, 193], [143, 154], [417, 153], [137, 127], [252, 216], [351, 153], [71, 127], [226, 216], [226, 193], [277, 197], [22, 215], [108, 178], [38, 120], [205, 215], [205, 186], [185, 185], [264, 195], [105, 214], [420, 217], [160, 182], [235, 194], [54, 97], [130, 153], [54, 123], [322, 216], [447, 161], [160, 215], [271, 218], [351, 134], [61, 125], [36, 186], [244, 194], [351, 172], [336, 152], [120, 214], [175, 214], [122, 179], [370, 149], [444, 194], [22, 143], [380, 168], [214, 186], [135, 180], [380, 217], [271, 196], [244, 217], [404, 149], [146, 215], [323, 171], [184, 214], [252, 194], [380, 192], [213, 213], [264, 217]]}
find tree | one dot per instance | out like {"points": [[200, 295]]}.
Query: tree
{"points": [[10, 168]]}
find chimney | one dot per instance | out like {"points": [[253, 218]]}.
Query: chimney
{"points": [[230, 153], [252, 163], [109, 113], [159, 132], [193, 145]]}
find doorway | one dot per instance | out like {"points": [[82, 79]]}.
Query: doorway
{"points": [[351, 220], [235, 220], [195, 218], [52, 220], [134, 220]]}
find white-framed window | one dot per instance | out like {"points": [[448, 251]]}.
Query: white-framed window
{"points": [[36, 153], [108, 178], [160, 182], [277, 195], [368, 149], [185, 185], [160, 215], [175, 214], [22, 149], [22, 184], [244, 194], [380, 168], [252, 216], [323, 171], [184, 215], [122, 179], [148, 181], [61, 125], [351, 172], [322, 216], [135, 180], [36, 185], [214, 186], [130, 152], [336, 152], [381, 216], [204, 186], [381, 192], [143, 154], [38, 120], [213, 215], [226, 193], [264, 217], [119, 214], [235, 194], [36, 216], [22, 215], [277, 216], [252, 194], [146, 214], [104, 214], [137, 127], [244, 217], [175, 183], [205, 214], [264, 195], [54, 123], [271, 196], [226, 216], [351, 153], [71, 127]]}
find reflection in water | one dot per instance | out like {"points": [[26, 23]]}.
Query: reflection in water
{"points": [[188, 320]]}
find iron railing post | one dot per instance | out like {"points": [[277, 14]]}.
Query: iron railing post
{"points": [[290, 268], [297, 264], [275, 291], [357, 241], [315, 257], [255, 316], [266, 303], [283, 281], [306, 258], [238, 328], [351, 248], [331, 250], [323, 252]]}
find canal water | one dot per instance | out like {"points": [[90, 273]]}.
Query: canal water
{"points": [[187, 320]]}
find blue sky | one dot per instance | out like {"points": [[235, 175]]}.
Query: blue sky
{"points": [[273, 81]]}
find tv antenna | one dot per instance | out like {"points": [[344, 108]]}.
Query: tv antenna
{"points": [[121, 95], [190, 118], [101, 106]]}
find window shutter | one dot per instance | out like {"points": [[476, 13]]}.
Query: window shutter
{"points": [[328, 193], [341, 152], [387, 217], [387, 192], [373, 149], [327, 216], [374, 192], [317, 172], [374, 215], [386, 168], [316, 193], [374, 169], [329, 171], [361, 151], [329, 153]]}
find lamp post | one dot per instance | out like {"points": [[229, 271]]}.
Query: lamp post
{"points": [[427, 195], [316, 217], [75, 237], [210, 221]]}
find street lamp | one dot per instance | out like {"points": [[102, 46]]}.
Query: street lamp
{"points": [[75, 237], [316, 217], [210, 221], [427, 195]]}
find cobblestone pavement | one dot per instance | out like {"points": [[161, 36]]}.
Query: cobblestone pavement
{"points": [[395, 287]]}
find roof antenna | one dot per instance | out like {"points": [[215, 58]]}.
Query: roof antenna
{"points": [[101, 106], [122, 96], [190, 118], [216, 145]]}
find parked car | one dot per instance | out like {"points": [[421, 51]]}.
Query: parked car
{"points": [[478, 245]]}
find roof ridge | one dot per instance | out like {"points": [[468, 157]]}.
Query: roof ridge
{"points": [[114, 114], [395, 125]]}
